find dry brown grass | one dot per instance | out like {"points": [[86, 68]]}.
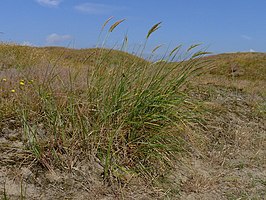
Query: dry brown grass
{"points": [[249, 66], [222, 148]]}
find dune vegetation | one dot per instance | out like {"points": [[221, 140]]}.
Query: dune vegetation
{"points": [[104, 123]]}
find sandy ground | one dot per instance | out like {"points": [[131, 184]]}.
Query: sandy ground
{"points": [[230, 163]]}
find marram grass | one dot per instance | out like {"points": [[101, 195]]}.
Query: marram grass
{"points": [[127, 114]]}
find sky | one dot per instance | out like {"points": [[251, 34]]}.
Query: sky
{"points": [[219, 25]]}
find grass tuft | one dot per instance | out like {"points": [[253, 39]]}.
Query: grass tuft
{"points": [[125, 111]]}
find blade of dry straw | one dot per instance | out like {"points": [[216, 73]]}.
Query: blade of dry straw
{"points": [[153, 29], [115, 25]]}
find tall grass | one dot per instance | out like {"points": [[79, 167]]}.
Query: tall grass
{"points": [[127, 115]]}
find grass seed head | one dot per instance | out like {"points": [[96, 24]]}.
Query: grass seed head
{"points": [[153, 29], [107, 21], [115, 25]]}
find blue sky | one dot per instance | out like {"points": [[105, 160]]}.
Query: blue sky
{"points": [[221, 25]]}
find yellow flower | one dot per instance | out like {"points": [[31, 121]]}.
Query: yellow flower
{"points": [[21, 83], [13, 91], [4, 79]]}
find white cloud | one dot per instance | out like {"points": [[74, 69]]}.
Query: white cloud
{"points": [[27, 43], [49, 2], [252, 50], [97, 9], [246, 37], [55, 38]]}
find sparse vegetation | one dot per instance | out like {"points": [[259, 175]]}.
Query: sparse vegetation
{"points": [[125, 118]]}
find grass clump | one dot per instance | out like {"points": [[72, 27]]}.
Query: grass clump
{"points": [[127, 114]]}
